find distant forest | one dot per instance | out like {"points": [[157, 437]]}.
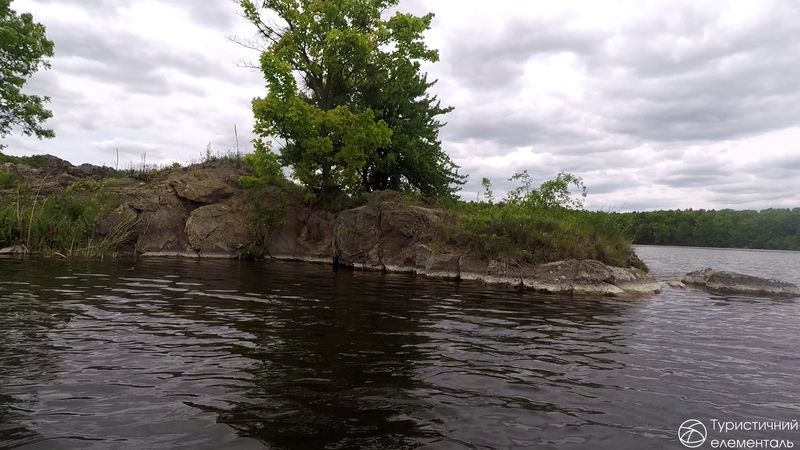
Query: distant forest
{"points": [[774, 229]]}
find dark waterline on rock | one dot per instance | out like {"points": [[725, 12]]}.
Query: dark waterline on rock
{"points": [[167, 353]]}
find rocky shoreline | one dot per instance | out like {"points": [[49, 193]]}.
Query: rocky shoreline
{"points": [[202, 212]]}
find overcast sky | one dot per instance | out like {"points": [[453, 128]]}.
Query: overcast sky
{"points": [[674, 104]]}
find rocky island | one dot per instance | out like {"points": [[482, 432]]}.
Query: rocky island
{"points": [[205, 211]]}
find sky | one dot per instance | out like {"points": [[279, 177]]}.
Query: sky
{"points": [[656, 105]]}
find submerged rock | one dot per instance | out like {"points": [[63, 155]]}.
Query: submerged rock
{"points": [[738, 283]]}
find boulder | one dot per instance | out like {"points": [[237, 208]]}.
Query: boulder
{"points": [[589, 277], [736, 283], [385, 235], [91, 171], [315, 241], [402, 229], [304, 234], [161, 224], [218, 229], [357, 237], [53, 165], [203, 185]]}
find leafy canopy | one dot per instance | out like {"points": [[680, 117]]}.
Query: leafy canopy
{"points": [[24, 49], [346, 98]]}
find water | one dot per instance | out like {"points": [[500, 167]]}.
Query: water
{"points": [[221, 354]]}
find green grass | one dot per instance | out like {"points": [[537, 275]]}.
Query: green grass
{"points": [[64, 222], [36, 161], [537, 235]]}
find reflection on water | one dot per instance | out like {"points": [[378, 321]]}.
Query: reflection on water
{"points": [[218, 354]]}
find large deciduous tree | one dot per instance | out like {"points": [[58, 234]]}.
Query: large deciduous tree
{"points": [[24, 49], [347, 99]]}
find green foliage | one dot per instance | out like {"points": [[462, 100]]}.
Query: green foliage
{"points": [[32, 161], [266, 214], [550, 194], [24, 49], [777, 229], [264, 165], [539, 235], [64, 222], [488, 195], [346, 97], [537, 226], [7, 180]]}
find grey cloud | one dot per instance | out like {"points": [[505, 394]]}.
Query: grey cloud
{"points": [[128, 59], [214, 13], [496, 62]]}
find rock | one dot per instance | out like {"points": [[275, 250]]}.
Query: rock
{"points": [[53, 166], [315, 241], [435, 264], [304, 234], [736, 283], [119, 225], [471, 268], [357, 238], [589, 277], [203, 185], [402, 229], [90, 171], [217, 230], [162, 220], [385, 234], [504, 271], [14, 250]]}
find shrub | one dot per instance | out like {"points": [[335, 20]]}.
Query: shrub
{"points": [[64, 222], [7, 180]]}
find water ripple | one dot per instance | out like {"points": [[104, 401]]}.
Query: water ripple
{"points": [[217, 354]]}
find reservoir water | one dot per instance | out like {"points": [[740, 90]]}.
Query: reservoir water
{"points": [[167, 353]]}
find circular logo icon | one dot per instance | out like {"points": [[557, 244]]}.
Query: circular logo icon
{"points": [[692, 433]]}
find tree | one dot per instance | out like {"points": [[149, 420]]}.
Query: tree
{"points": [[24, 49], [346, 98], [550, 194]]}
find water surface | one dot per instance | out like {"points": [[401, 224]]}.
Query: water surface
{"points": [[223, 354]]}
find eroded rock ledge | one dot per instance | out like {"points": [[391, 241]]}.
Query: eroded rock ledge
{"points": [[203, 213], [736, 283]]}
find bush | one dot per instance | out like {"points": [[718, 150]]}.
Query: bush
{"points": [[537, 235], [7, 180], [36, 161], [64, 222], [539, 225]]}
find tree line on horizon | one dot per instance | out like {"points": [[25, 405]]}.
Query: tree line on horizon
{"points": [[770, 229]]}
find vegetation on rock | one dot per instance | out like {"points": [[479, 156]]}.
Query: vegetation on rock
{"points": [[539, 225], [65, 222]]}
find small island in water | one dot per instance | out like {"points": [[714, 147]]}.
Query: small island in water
{"points": [[224, 208]]}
